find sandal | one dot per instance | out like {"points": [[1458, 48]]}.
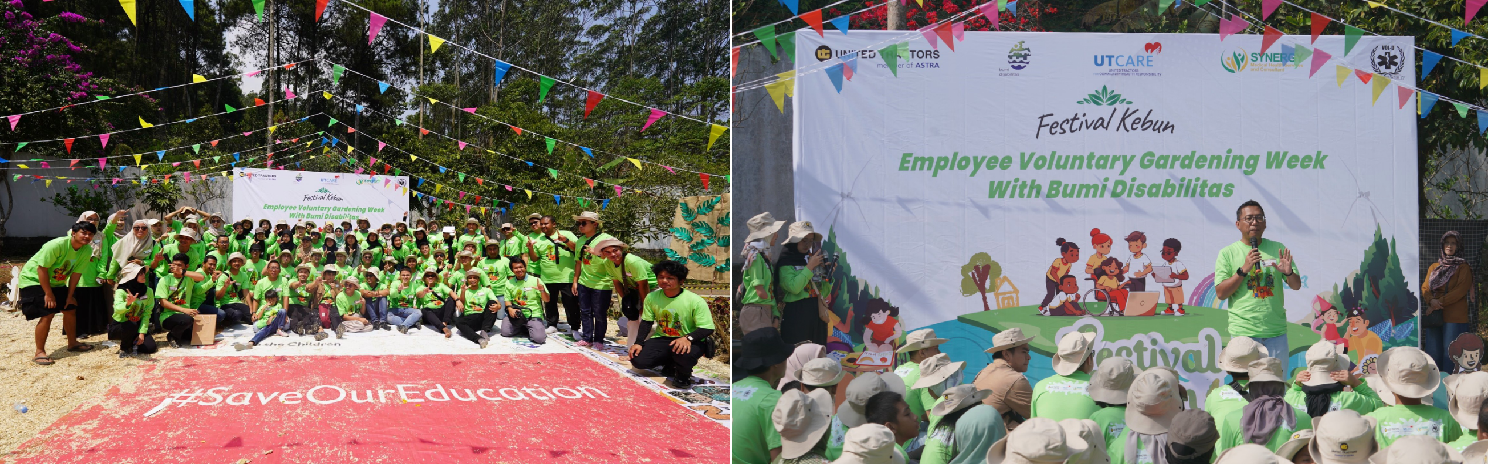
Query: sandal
{"points": [[42, 360], [80, 348]]}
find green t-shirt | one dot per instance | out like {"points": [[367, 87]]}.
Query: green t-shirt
{"points": [[1112, 422], [478, 239], [267, 315], [493, 271], [526, 293], [1117, 450], [1257, 307], [515, 244], [58, 256], [348, 304], [635, 269], [795, 282], [564, 258], [1397, 421], [257, 267], [400, 295], [1468, 437], [436, 294], [676, 316], [174, 290], [401, 253], [221, 258], [754, 433], [592, 274], [241, 245], [199, 289], [836, 437], [264, 284], [1362, 399], [1223, 399], [1059, 397], [241, 281], [910, 373], [758, 274], [1230, 434], [299, 291], [138, 312], [546, 260], [476, 300], [940, 446]]}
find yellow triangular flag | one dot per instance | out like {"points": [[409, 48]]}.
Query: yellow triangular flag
{"points": [[529, 194], [23, 166], [196, 78], [1380, 83], [635, 161], [412, 157], [431, 100], [143, 124], [713, 134], [437, 187], [49, 183], [325, 150], [349, 149], [434, 43], [129, 9], [1482, 77], [272, 128], [1343, 74], [137, 157], [777, 93], [1375, 4], [325, 94], [790, 78]]}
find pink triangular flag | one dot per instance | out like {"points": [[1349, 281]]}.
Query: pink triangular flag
{"points": [[1405, 94], [188, 176], [469, 110], [929, 34], [374, 24], [1319, 58], [45, 165], [371, 161], [1472, 9], [249, 133], [73, 165], [1238, 24], [669, 169], [655, 115], [255, 73], [288, 94], [462, 195], [959, 30], [116, 181], [989, 10], [508, 188], [462, 145], [176, 163], [102, 162], [103, 139], [358, 171], [1268, 7], [13, 120], [617, 191]]}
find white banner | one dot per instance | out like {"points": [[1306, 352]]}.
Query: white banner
{"points": [[309, 195], [995, 150]]}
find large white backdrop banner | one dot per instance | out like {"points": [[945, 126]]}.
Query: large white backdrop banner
{"points": [[1017, 139], [309, 195]]}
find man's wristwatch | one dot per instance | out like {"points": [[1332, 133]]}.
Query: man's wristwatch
{"points": [[689, 338], [1240, 271]]}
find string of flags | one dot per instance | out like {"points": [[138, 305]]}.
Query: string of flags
{"points": [[162, 178], [103, 138], [430, 199], [139, 160], [160, 154], [714, 132]]}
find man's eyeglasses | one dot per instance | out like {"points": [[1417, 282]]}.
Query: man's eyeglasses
{"points": [[582, 223], [1254, 219]]}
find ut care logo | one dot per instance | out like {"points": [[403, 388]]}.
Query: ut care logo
{"points": [[823, 53], [1389, 60], [1018, 56]]}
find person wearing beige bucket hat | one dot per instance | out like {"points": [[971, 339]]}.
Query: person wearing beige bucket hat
{"points": [[1065, 395], [939, 374], [472, 234], [1411, 376], [1417, 449], [1235, 360], [1465, 403], [513, 242], [1153, 400], [1266, 419], [1251, 453], [955, 434], [1108, 388], [1320, 388], [919, 345], [802, 319], [1342, 436], [1012, 395], [870, 443], [632, 278], [133, 304], [591, 283], [801, 419], [756, 287], [1295, 449], [1038, 440], [852, 412], [821, 373]]}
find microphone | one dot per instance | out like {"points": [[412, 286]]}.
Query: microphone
{"points": [[1254, 245]]}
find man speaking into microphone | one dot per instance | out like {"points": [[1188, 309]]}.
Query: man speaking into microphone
{"points": [[1248, 274]]}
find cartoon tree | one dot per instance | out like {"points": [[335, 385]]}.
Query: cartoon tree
{"points": [[1379, 286], [977, 274]]}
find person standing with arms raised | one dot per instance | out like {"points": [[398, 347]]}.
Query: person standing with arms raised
{"points": [[1249, 274]]}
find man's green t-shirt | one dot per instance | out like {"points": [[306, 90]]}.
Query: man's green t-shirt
{"points": [[242, 280], [199, 289], [1362, 399], [348, 304], [299, 292], [514, 244], [476, 300], [1116, 450], [1231, 435], [632, 270], [910, 373], [436, 294], [1257, 307], [676, 316], [1223, 399], [593, 274], [58, 256], [754, 432], [758, 274], [174, 290], [400, 295], [493, 271], [1112, 422], [526, 293], [264, 284], [1059, 397], [564, 258], [1396, 421]]}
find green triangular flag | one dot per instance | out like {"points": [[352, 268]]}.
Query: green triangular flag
{"points": [[1002, 5], [21, 146], [397, 171], [336, 72], [1461, 109], [332, 122], [196, 148], [904, 50], [729, 179], [788, 45], [258, 6], [890, 56], [400, 122], [101, 97], [546, 83], [553, 173], [230, 108], [1350, 37], [766, 36], [1162, 5], [462, 176], [216, 158], [1300, 56], [550, 145]]}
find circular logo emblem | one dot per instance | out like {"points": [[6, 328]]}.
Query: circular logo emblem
{"points": [[823, 53]]}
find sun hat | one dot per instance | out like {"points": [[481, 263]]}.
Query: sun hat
{"points": [[958, 398], [870, 443], [1084, 440], [352, 279], [609, 242], [464, 254], [129, 271], [304, 266], [1038, 440], [236, 256], [1265, 369], [507, 226], [799, 231], [1322, 360], [859, 390], [762, 226], [472, 220], [1250, 453], [761, 348], [189, 233], [535, 216], [1153, 400], [1299, 441], [1466, 394], [1417, 449], [374, 271], [1073, 349], [590, 216], [427, 273], [473, 272], [801, 419], [1111, 380], [1195, 431], [818, 372], [920, 339], [1477, 452], [1237, 355], [331, 268], [1409, 372], [281, 222], [1007, 339], [936, 370], [1342, 436]]}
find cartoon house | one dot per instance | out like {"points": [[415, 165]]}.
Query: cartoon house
{"points": [[1005, 298]]}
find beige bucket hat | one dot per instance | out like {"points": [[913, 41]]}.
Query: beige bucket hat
{"points": [[1342, 436], [762, 226], [190, 234], [1007, 339], [1250, 453], [608, 242], [799, 231], [1417, 449], [818, 372], [958, 398], [589, 216], [1465, 396], [860, 389], [1265, 369], [129, 271], [1153, 400], [1477, 452], [870, 443], [1408, 371], [1073, 349], [1111, 380], [1322, 360], [1038, 440], [936, 370], [920, 339], [801, 419], [1296, 443], [1236, 356], [1084, 440]]}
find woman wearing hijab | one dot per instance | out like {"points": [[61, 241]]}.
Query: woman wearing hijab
{"points": [[800, 318], [967, 427], [133, 303], [92, 298], [1444, 300], [803, 353], [1267, 419]]}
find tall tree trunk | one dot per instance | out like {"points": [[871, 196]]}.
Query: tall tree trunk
{"points": [[269, 89], [896, 15]]}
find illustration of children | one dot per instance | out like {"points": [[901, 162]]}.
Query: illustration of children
{"points": [[1328, 317], [1467, 352], [1102, 244], [880, 331], [1360, 339], [1108, 277], [1136, 242], [1069, 254], [1173, 291], [1068, 301]]}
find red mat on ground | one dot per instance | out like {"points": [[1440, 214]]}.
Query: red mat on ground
{"points": [[459, 408]]}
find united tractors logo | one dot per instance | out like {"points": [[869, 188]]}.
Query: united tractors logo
{"points": [[823, 53]]}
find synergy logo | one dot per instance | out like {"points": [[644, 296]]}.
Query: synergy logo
{"points": [[1243, 60], [1132, 64]]}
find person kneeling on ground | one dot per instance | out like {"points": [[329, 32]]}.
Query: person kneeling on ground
{"points": [[349, 305], [303, 320], [685, 324], [133, 303], [478, 307], [268, 320], [525, 295], [174, 291]]}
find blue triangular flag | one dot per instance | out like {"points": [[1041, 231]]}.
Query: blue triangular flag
{"points": [[190, 7], [297, 164], [794, 5], [604, 204], [1427, 101], [334, 141], [190, 120], [121, 168], [556, 200], [587, 151], [1428, 61], [359, 108], [1013, 7], [1457, 36], [237, 157], [160, 154], [1287, 51], [2, 160], [1482, 121], [835, 73], [382, 87], [441, 170], [840, 23], [421, 182], [528, 163], [501, 68]]}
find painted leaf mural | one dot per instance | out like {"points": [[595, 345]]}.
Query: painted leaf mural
{"points": [[682, 234], [702, 228], [703, 259]]}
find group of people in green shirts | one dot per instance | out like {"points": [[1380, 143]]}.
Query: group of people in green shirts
{"points": [[315, 280]]}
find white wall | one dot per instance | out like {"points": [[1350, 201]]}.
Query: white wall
{"points": [[34, 218]]}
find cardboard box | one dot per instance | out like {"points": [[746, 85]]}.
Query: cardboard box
{"points": [[203, 330]]}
